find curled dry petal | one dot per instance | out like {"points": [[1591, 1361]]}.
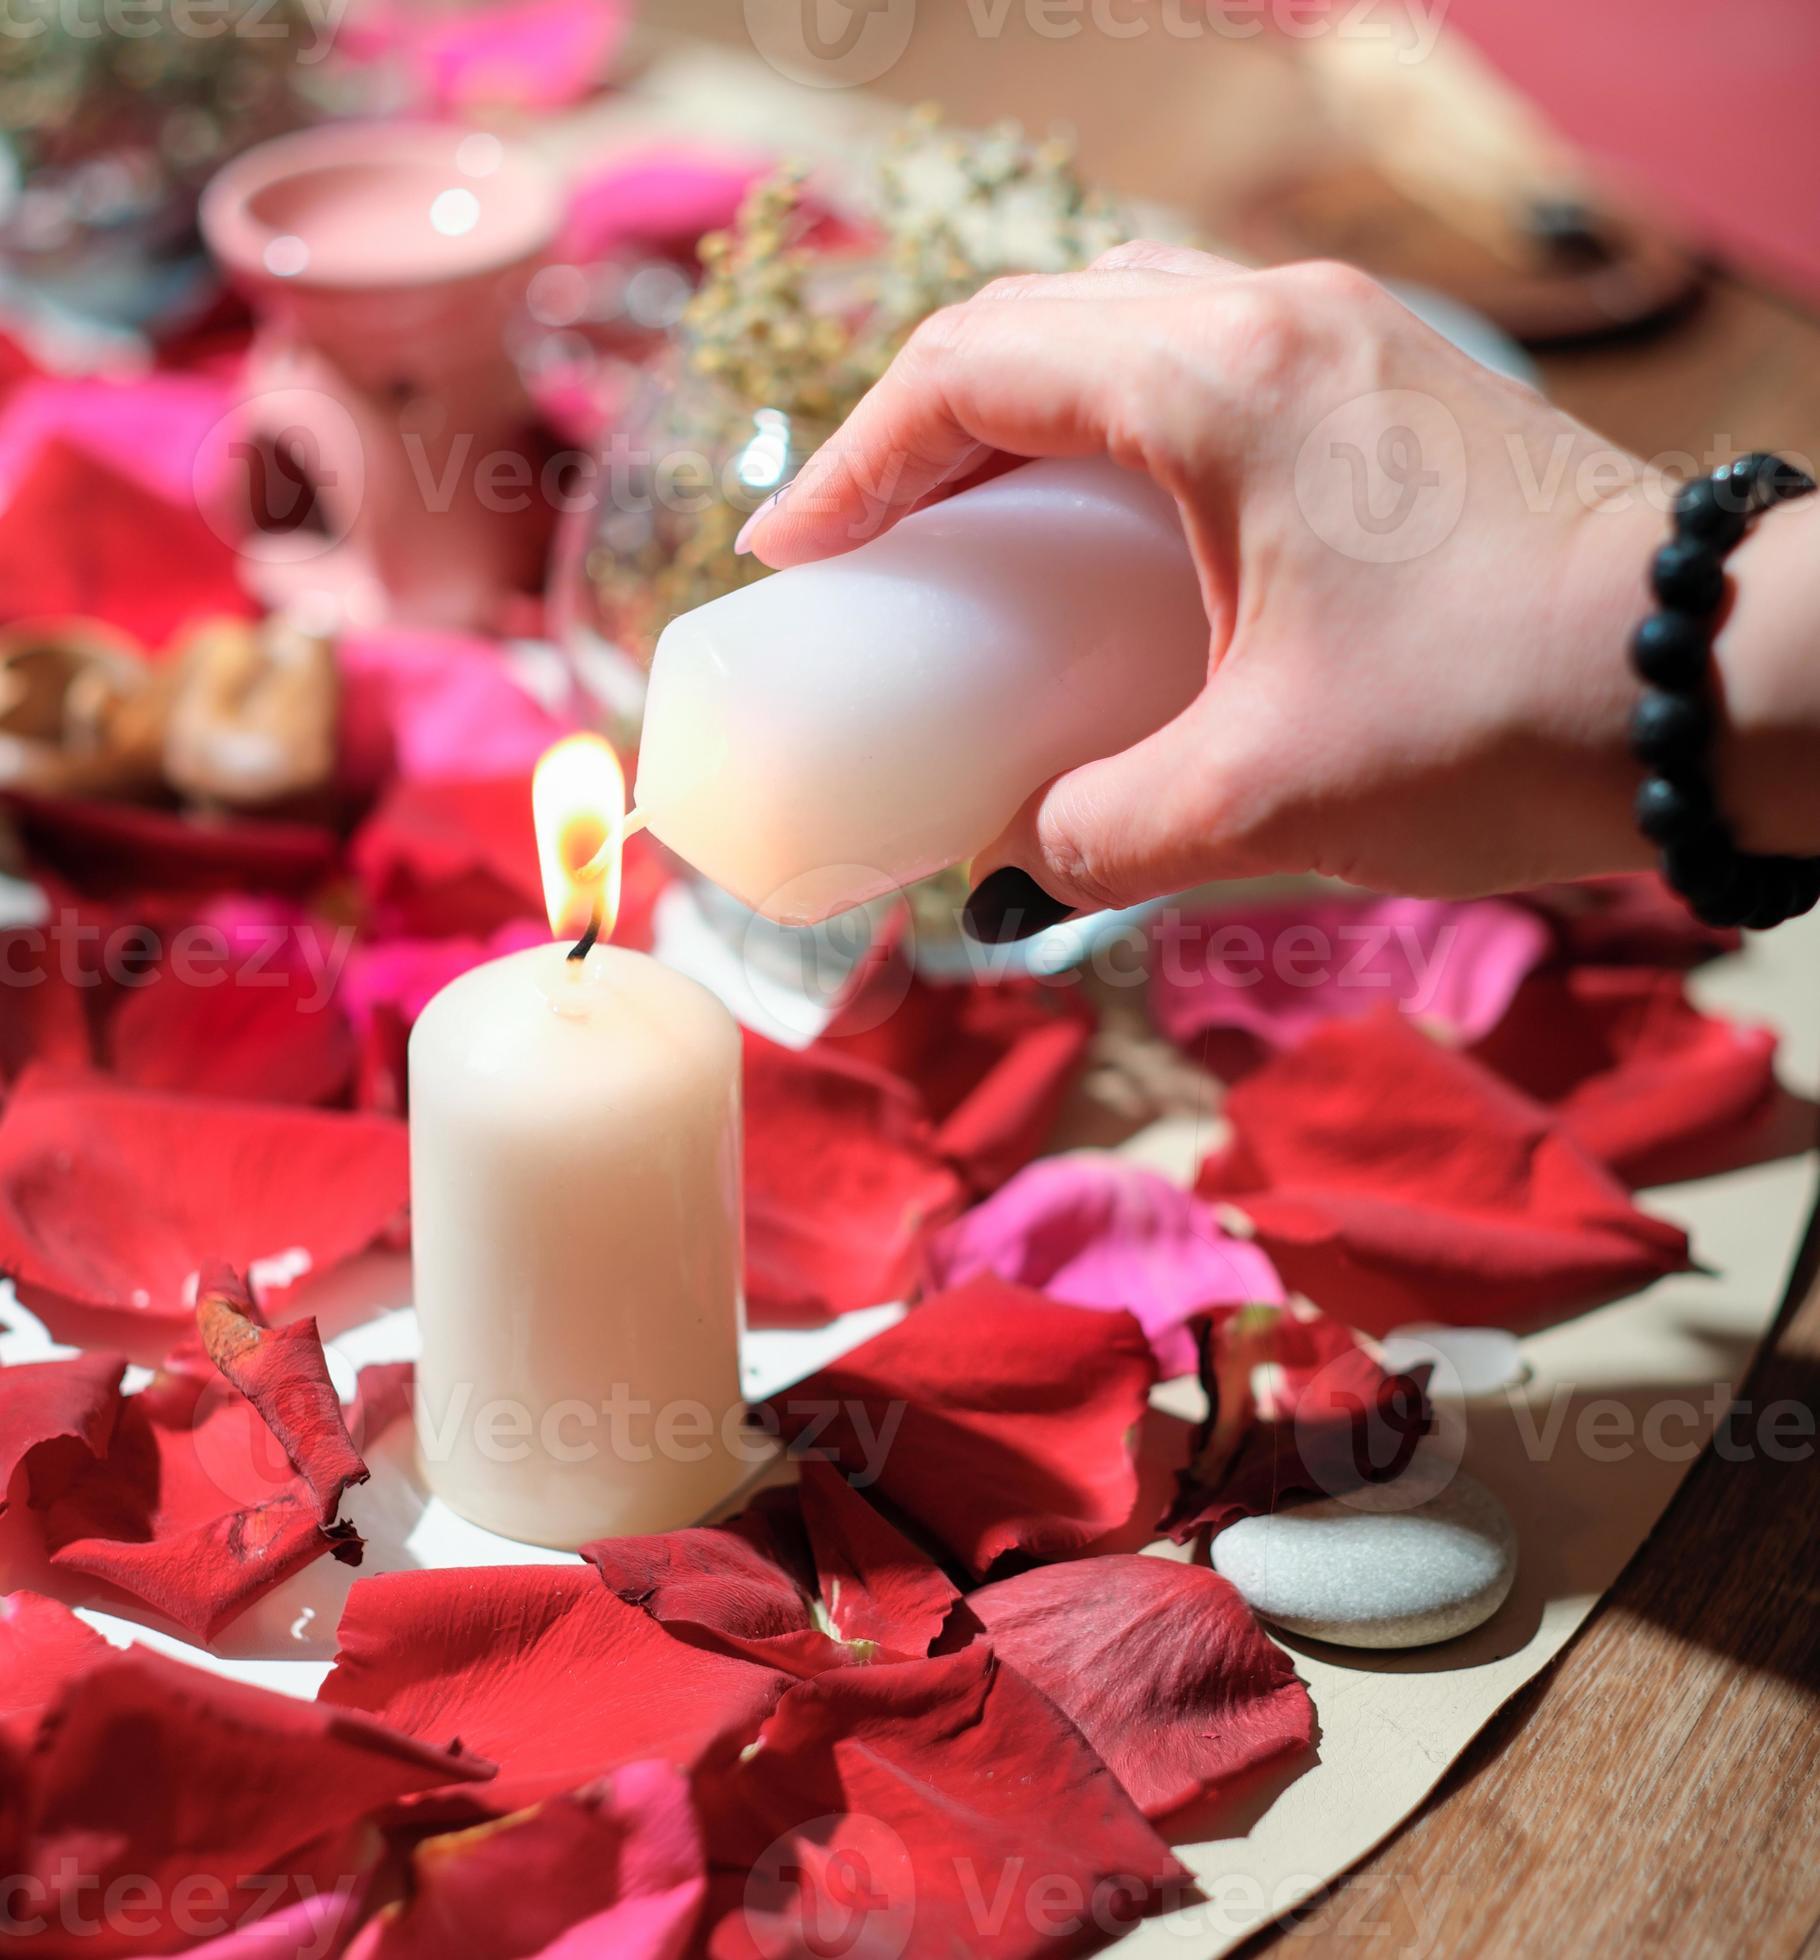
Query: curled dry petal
{"points": [[193, 1509], [1332, 1420], [283, 1372]]}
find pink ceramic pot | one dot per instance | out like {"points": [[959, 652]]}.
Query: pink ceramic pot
{"points": [[384, 443]]}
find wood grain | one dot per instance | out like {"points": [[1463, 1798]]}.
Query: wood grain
{"points": [[1658, 1791]]}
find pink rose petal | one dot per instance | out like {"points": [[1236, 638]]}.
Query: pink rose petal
{"points": [[1279, 972], [1092, 1230]]}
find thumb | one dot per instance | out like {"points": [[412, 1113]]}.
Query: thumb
{"points": [[1165, 814]]}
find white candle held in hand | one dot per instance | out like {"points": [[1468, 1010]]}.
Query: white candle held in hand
{"points": [[575, 1195]]}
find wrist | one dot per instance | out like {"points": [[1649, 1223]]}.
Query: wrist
{"points": [[1766, 757]]}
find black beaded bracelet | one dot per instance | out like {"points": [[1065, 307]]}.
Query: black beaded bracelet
{"points": [[1671, 731]]}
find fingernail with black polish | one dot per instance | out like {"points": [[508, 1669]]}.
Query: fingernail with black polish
{"points": [[1010, 905]]}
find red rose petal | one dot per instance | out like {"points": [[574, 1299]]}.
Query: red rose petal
{"points": [[42, 1646], [937, 1806], [43, 1404], [876, 1587], [194, 1792], [193, 1509], [113, 1197], [448, 857], [79, 538], [451, 857], [991, 1064], [1632, 1070], [1335, 1420], [541, 1669], [125, 849], [283, 1372], [45, 1018], [1392, 1179], [256, 1021], [614, 1869], [1631, 919], [996, 1419], [843, 1179], [1159, 1665], [721, 1586]]}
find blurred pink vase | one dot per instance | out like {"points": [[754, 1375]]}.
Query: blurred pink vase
{"points": [[383, 459]]}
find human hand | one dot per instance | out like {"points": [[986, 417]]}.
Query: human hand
{"points": [[1416, 676]]}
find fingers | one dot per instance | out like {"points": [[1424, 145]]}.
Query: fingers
{"points": [[971, 379], [1169, 813], [1152, 255], [985, 376]]}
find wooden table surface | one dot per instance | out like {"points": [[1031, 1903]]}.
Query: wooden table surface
{"points": [[1658, 1789]]}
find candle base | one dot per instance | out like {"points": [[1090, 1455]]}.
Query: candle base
{"points": [[563, 1518]]}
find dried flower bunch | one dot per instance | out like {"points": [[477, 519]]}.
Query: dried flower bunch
{"points": [[784, 335]]}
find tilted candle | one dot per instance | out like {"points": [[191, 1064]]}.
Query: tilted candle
{"points": [[818, 738], [575, 1216]]}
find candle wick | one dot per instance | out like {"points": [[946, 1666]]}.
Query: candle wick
{"points": [[585, 944]]}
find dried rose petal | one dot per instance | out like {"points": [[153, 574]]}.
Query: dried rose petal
{"points": [[1631, 1069], [193, 1509], [1393, 1179], [1334, 1420], [1161, 1667], [994, 1418], [614, 1868], [42, 1646], [113, 1197], [877, 1589], [541, 1669], [283, 1372], [197, 1793], [843, 1180], [1094, 1230], [945, 1802]]}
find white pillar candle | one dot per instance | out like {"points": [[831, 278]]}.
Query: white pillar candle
{"points": [[575, 1149], [826, 735]]}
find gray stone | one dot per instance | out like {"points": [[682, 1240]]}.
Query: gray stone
{"points": [[1386, 1566]]}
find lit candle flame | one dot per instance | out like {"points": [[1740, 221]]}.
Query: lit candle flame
{"points": [[578, 804]]}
